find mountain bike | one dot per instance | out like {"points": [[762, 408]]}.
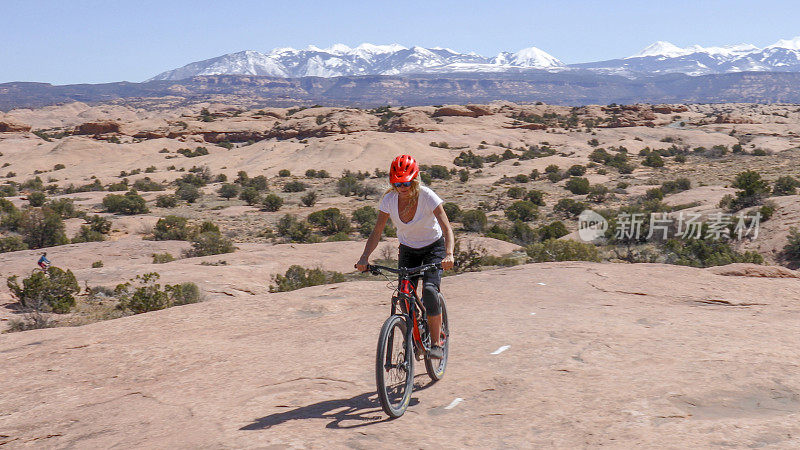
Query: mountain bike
{"points": [[405, 337]]}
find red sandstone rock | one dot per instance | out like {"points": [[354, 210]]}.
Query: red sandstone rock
{"points": [[8, 126], [97, 128]]}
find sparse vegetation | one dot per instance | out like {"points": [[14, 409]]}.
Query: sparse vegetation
{"points": [[298, 277]]}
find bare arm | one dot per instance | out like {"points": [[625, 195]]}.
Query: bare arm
{"points": [[449, 240], [372, 241]]}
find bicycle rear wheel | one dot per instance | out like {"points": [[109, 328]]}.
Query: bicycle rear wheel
{"points": [[436, 367], [394, 367]]}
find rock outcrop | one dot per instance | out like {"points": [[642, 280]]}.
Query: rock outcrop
{"points": [[97, 128], [10, 126], [463, 111]]}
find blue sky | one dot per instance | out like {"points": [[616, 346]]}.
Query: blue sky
{"points": [[66, 42]]}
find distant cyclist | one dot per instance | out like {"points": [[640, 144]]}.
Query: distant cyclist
{"points": [[44, 263], [424, 232]]}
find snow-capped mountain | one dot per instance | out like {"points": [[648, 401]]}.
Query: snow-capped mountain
{"points": [[663, 57], [365, 59]]}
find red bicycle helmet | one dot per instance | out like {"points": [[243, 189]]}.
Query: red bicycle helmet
{"points": [[403, 168]]}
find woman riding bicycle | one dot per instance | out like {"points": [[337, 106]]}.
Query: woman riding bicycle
{"points": [[424, 232]]}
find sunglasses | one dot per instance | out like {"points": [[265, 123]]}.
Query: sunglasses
{"points": [[404, 183]]}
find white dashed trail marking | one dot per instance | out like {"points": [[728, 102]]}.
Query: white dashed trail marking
{"points": [[541, 284], [454, 403], [501, 349]]}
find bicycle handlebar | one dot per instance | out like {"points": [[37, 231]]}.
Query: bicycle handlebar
{"points": [[376, 269]]}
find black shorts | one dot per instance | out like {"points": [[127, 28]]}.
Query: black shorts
{"points": [[413, 257]]}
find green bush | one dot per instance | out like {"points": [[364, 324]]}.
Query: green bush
{"points": [[188, 192], [791, 251], [298, 277], [166, 201], [161, 258], [143, 294], [97, 264], [147, 185], [12, 244], [294, 186], [228, 190], [706, 253], [536, 197], [210, 243], [54, 291], [785, 185], [199, 151], [576, 170], [570, 207], [598, 193], [130, 203], [654, 194], [577, 185], [677, 185], [562, 250], [272, 202], [37, 198], [453, 211], [42, 228], [330, 221], [283, 173], [64, 207], [172, 228], [554, 230], [296, 230], [439, 172], [366, 217], [522, 210], [473, 220], [310, 199], [469, 159], [86, 234], [752, 190], [251, 196], [653, 160]]}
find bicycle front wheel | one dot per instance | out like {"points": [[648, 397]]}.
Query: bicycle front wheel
{"points": [[436, 367], [394, 367]]}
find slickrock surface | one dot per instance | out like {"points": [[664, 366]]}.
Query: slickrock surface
{"points": [[613, 355]]}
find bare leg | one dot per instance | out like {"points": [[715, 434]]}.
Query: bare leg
{"points": [[435, 325]]}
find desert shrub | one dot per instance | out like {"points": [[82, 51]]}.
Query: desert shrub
{"points": [[759, 152], [130, 203], [570, 207], [86, 234], [147, 185], [439, 172], [97, 264], [463, 175], [198, 177], [552, 168], [706, 253], [767, 210], [520, 233], [208, 227], [677, 185], [120, 186], [654, 194], [535, 196], [161, 258], [250, 195], [166, 201], [522, 210], [473, 220], [54, 291], [210, 243], [188, 192], [555, 177], [593, 142], [467, 258], [295, 230], [338, 237], [12, 244], [322, 174], [752, 190], [330, 221], [298, 277], [365, 217], [294, 186], [59, 167], [577, 185], [143, 294], [653, 160], [8, 190], [309, 199], [64, 207], [453, 211], [42, 228], [347, 185], [311, 173], [791, 251], [283, 173], [272, 202], [32, 184], [522, 178], [199, 151], [562, 250], [172, 228], [516, 192], [785, 185], [598, 193], [469, 159], [576, 170], [554, 230], [228, 191], [37, 198]]}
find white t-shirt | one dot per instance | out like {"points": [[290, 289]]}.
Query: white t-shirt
{"points": [[424, 229]]}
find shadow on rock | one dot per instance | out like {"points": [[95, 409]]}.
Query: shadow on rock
{"points": [[364, 409]]}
